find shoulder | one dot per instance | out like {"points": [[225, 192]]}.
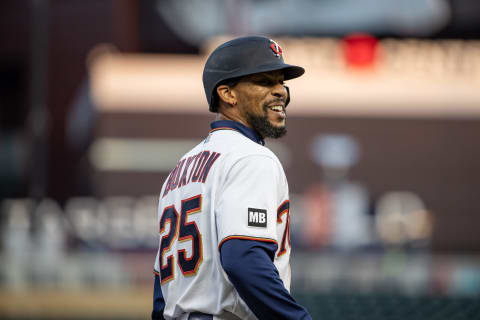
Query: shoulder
{"points": [[261, 167], [240, 152], [253, 154], [238, 146]]}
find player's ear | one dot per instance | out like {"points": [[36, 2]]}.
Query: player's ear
{"points": [[226, 94]]}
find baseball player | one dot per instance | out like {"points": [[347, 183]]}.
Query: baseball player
{"points": [[223, 212]]}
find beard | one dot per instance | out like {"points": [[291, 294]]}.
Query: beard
{"points": [[264, 127]]}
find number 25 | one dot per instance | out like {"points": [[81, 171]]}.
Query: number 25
{"points": [[184, 231]]}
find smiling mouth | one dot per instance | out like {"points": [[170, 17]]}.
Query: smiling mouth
{"points": [[277, 108]]}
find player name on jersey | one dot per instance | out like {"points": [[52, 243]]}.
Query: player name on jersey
{"points": [[199, 165]]}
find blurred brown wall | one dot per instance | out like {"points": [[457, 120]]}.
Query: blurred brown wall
{"points": [[439, 159], [75, 27]]}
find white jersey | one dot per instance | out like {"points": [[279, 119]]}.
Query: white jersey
{"points": [[227, 187]]}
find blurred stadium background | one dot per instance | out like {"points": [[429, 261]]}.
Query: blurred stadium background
{"points": [[99, 98]]}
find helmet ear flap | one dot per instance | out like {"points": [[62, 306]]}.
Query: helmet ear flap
{"points": [[287, 101]]}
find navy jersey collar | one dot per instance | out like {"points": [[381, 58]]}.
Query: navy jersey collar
{"points": [[237, 126]]}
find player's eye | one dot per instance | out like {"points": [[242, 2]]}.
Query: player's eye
{"points": [[265, 82], [262, 82]]}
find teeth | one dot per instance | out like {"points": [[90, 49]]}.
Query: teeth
{"points": [[277, 108]]}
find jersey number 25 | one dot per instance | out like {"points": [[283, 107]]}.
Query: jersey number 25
{"points": [[185, 231]]}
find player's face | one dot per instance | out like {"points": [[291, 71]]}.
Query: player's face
{"points": [[261, 98]]}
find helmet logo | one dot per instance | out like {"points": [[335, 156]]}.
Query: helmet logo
{"points": [[276, 48]]}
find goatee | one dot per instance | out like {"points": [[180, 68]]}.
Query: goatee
{"points": [[263, 126]]}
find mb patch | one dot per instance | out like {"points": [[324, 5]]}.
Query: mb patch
{"points": [[257, 217]]}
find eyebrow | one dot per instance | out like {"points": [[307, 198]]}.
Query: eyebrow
{"points": [[267, 76]]}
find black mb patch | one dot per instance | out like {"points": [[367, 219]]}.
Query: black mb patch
{"points": [[257, 217]]}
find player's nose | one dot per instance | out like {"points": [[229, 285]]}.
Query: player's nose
{"points": [[280, 91]]}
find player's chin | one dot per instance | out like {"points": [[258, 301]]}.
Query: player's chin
{"points": [[277, 129], [268, 126], [278, 122]]}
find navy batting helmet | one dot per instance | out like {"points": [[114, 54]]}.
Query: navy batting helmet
{"points": [[240, 57]]}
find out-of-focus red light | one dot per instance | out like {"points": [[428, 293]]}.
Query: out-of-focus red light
{"points": [[360, 50]]}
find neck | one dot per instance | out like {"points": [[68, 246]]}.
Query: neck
{"points": [[223, 116]]}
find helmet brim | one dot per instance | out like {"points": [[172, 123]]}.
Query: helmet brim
{"points": [[289, 71]]}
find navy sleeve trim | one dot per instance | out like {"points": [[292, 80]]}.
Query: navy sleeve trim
{"points": [[246, 238], [249, 267], [158, 301]]}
